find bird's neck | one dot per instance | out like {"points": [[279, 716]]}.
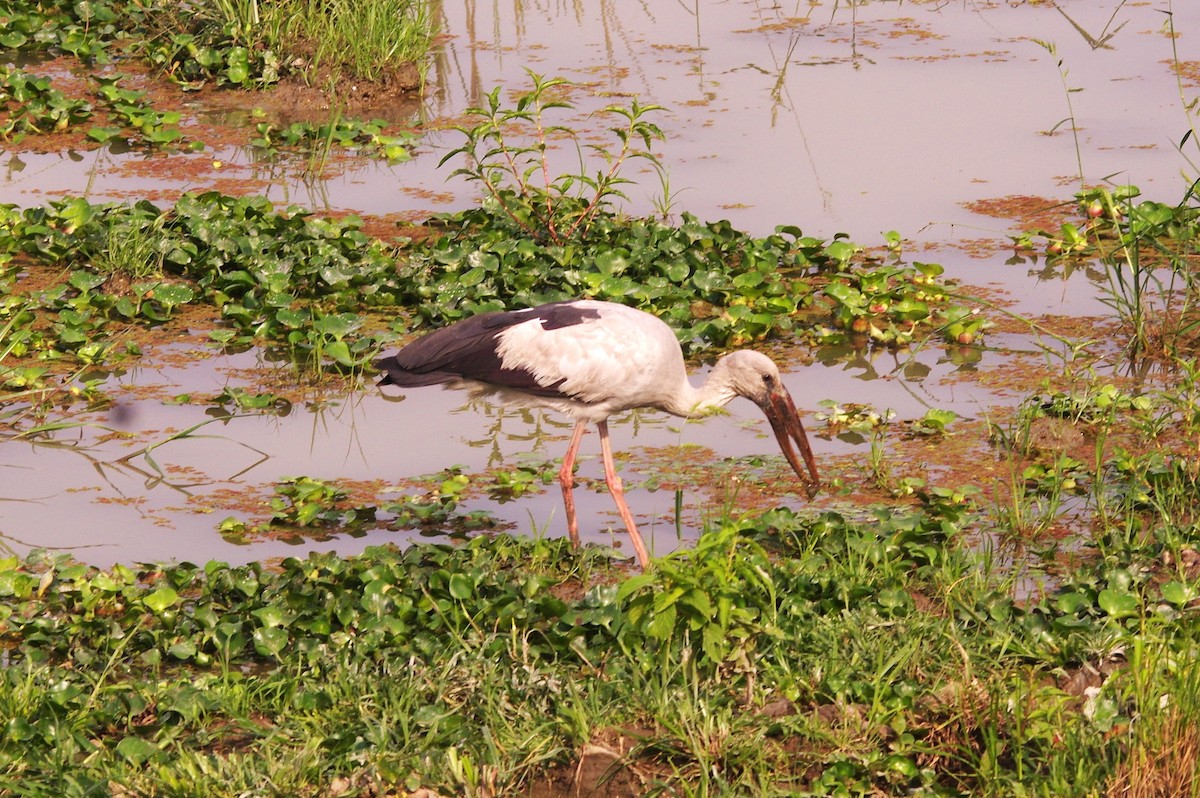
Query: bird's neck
{"points": [[693, 402]]}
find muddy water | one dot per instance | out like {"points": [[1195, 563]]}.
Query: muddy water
{"points": [[835, 117]]}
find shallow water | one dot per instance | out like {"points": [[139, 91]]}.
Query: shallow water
{"points": [[834, 117]]}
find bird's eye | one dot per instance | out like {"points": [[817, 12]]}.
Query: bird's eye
{"points": [[768, 379]]}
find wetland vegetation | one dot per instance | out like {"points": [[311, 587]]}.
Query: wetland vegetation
{"points": [[1018, 617]]}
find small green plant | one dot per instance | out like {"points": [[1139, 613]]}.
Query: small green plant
{"points": [[129, 107], [1143, 247], [303, 503], [135, 248], [32, 105], [438, 507], [1090, 405], [84, 30], [855, 417], [893, 303], [1032, 502], [367, 138], [508, 153], [718, 597], [225, 43], [517, 482]]}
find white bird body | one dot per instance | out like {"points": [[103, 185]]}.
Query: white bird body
{"points": [[589, 360], [630, 360]]}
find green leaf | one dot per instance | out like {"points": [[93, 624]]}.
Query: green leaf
{"points": [[136, 750], [472, 277], [237, 69], [184, 650], [461, 586], [840, 251], [340, 352], [161, 599], [633, 585], [270, 616], [1118, 604], [269, 641], [610, 262], [938, 419], [910, 310], [1177, 593], [1072, 603], [663, 624], [715, 643], [85, 281], [173, 294], [104, 134]]}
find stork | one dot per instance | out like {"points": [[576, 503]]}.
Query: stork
{"points": [[590, 359]]}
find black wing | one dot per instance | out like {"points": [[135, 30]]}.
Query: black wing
{"points": [[467, 350]]}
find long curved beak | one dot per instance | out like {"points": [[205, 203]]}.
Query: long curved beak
{"points": [[785, 421]]}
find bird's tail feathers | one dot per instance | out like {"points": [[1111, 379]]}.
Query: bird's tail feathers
{"points": [[395, 374]]}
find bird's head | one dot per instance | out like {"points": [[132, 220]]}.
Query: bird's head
{"points": [[756, 377]]}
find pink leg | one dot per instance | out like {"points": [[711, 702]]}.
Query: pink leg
{"points": [[618, 494], [566, 476]]}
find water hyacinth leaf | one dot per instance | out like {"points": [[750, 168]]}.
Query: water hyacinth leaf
{"points": [[269, 641], [610, 262], [137, 750], [676, 270], [339, 352], [183, 650], [841, 251], [461, 586], [187, 701], [749, 280], [237, 61], [104, 134], [19, 730], [17, 584], [935, 418], [1121, 579], [293, 319], [708, 281], [270, 616], [893, 599], [337, 325], [161, 599], [247, 582], [845, 294], [85, 281], [1118, 604], [910, 310], [173, 294], [1178, 593], [1072, 603], [125, 308]]}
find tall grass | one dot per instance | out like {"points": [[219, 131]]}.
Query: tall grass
{"points": [[334, 40], [364, 39]]}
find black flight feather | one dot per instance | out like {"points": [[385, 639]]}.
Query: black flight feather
{"points": [[467, 350]]}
